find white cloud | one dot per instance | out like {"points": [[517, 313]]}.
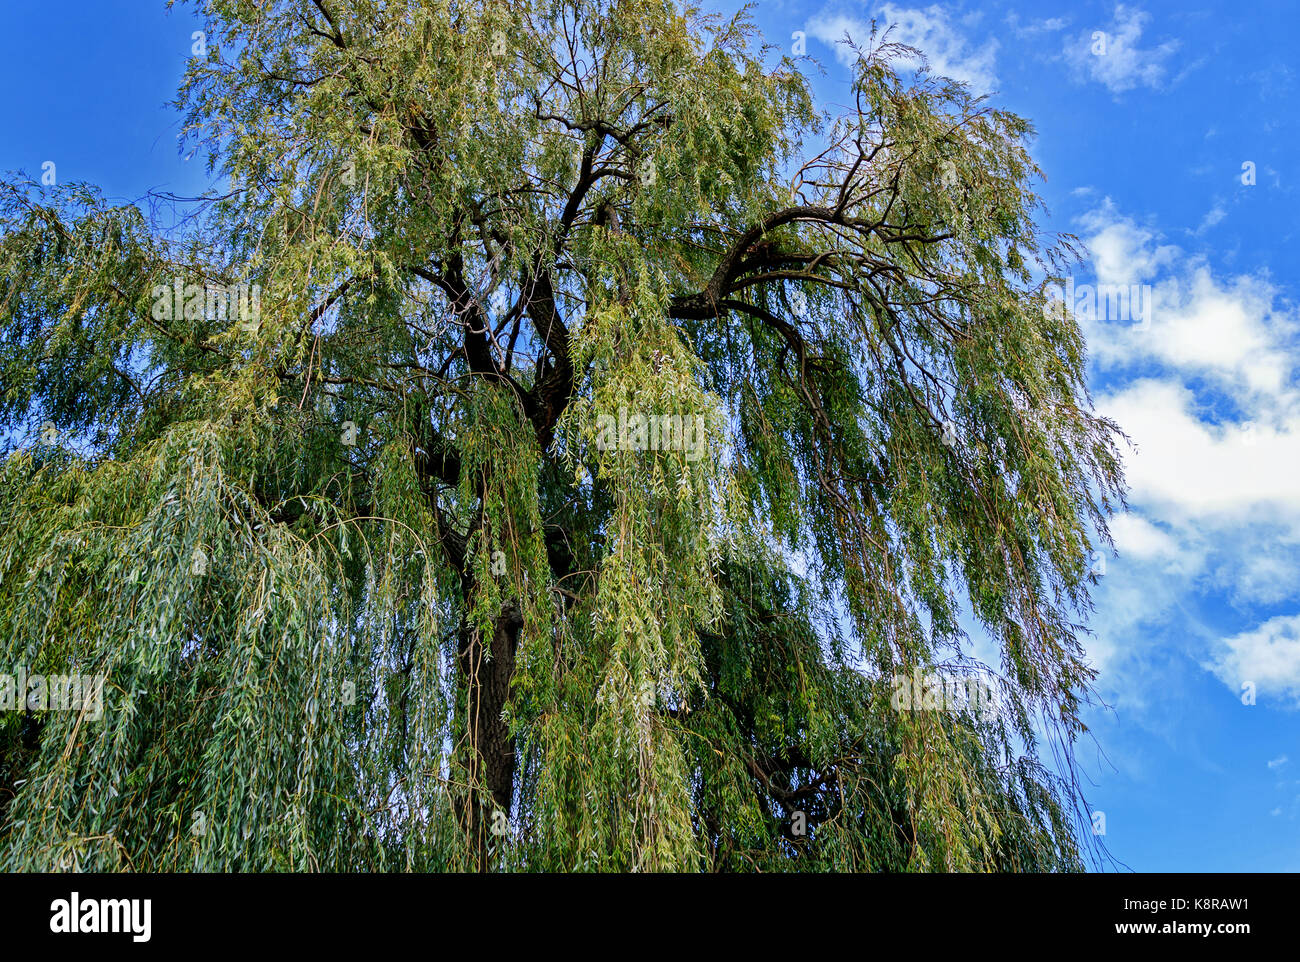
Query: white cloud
{"points": [[1259, 578], [1277, 762], [1111, 55], [1191, 471], [1207, 391], [1268, 657], [1135, 537], [1212, 218], [1230, 330], [1034, 28], [928, 29]]}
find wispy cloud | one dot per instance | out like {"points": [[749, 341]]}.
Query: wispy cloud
{"points": [[1212, 218], [1025, 30], [932, 30], [1111, 54]]}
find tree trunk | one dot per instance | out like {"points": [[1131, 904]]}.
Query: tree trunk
{"points": [[487, 673]]}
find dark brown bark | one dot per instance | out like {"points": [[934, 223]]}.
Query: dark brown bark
{"points": [[487, 670]]}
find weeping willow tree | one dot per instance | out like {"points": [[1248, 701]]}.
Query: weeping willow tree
{"points": [[545, 450]]}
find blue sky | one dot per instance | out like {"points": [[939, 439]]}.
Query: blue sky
{"points": [[1143, 140]]}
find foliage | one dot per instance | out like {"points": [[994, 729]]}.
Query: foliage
{"points": [[371, 588]]}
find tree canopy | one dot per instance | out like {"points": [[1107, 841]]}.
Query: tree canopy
{"points": [[545, 450]]}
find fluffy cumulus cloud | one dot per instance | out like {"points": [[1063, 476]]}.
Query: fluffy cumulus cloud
{"points": [[1191, 470], [1266, 658], [1204, 384], [1112, 54], [930, 29]]}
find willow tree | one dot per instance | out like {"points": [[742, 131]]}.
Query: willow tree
{"points": [[544, 450]]}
